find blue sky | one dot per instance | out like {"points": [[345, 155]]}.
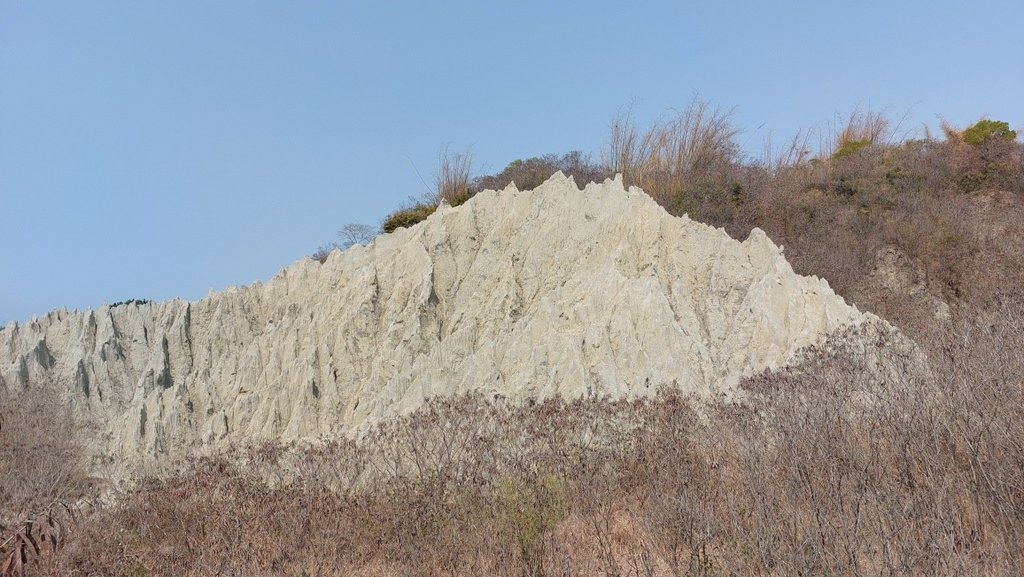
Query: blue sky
{"points": [[162, 149]]}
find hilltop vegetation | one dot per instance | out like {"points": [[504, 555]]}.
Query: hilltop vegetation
{"points": [[900, 227]]}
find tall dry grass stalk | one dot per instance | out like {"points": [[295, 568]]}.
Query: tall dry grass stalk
{"points": [[669, 155], [794, 152], [859, 129], [452, 179]]}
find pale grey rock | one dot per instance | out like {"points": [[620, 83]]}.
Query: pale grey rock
{"points": [[556, 291]]}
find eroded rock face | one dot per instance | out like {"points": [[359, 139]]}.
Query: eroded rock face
{"points": [[556, 291]]}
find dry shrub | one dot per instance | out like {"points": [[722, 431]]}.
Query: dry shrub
{"points": [[530, 173], [841, 472], [794, 152], [461, 487], [349, 235], [42, 459], [42, 477], [33, 544], [323, 252]]}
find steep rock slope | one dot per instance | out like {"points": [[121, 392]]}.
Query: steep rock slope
{"points": [[556, 291]]}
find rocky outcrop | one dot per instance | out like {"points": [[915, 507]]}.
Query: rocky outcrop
{"points": [[556, 291]]}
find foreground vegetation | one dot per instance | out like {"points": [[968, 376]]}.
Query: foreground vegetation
{"points": [[851, 464]]}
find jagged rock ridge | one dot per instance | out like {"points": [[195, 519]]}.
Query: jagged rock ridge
{"points": [[556, 291]]}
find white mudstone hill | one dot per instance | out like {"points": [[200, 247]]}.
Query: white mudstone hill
{"points": [[519, 294]]}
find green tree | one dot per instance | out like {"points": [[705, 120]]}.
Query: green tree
{"points": [[988, 130]]}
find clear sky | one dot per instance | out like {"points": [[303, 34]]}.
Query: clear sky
{"points": [[162, 149]]}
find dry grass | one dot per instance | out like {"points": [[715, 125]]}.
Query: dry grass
{"points": [[452, 180], [794, 152], [672, 157], [858, 130]]}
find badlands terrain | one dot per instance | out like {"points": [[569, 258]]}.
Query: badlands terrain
{"points": [[555, 292], [561, 381]]}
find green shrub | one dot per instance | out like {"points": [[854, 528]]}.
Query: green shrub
{"points": [[851, 147], [459, 197], [530, 511], [986, 155], [986, 130], [406, 217]]}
